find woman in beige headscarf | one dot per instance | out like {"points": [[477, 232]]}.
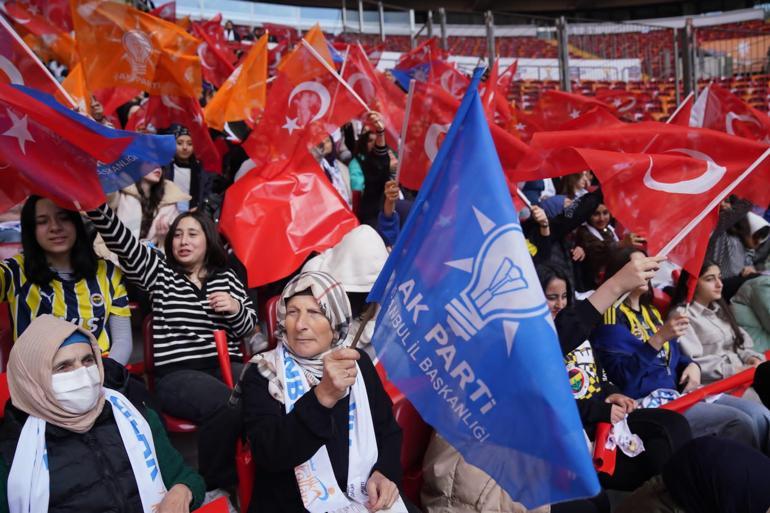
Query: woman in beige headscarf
{"points": [[70, 444]]}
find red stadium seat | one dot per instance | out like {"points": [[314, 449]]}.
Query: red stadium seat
{"points": [[415, 442], [271, 318], [5, 394]]}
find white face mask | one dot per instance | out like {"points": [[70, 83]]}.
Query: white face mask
{"points": [[77, 391]]}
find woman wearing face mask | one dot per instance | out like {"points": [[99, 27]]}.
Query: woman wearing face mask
{"points": [[320, 424], [69, 444], [192, 294], [58, 273]]}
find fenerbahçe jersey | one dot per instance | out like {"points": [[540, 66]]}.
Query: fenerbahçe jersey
{"points": [[583, 373], [86, 302]]}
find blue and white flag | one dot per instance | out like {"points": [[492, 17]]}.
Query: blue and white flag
{"points": [[464, 331], [143, 154]]}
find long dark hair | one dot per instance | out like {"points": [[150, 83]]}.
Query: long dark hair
{"points": [[362, 143], [615, 263], [547, 273], [215, 259], [150, 203], [725, 312], [36, 268]]}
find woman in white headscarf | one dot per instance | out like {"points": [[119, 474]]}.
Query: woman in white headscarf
{"points": [[68, 443], [319, 422]]}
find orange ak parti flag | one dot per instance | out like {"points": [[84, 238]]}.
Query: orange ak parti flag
{"points": [[243, 93], [123, 47]]}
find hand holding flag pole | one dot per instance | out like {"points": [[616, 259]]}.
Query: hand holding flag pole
{"points": [[714, 203]]}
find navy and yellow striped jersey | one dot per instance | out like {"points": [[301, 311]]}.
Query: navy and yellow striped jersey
{"points": [[643, 324], [86, 302]]}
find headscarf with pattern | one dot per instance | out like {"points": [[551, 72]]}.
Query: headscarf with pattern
{"points": [[333, 301]]}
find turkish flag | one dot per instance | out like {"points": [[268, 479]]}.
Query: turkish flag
{"points": [[505, 81], [30, 20], [283, 33], [554, 108], [122, 47], [627, 104], [274, 224], [30, 132], [242, 96], [164, 111], [374, 54], [432, 112], [448, 77], [427, 51], [681, 115], [20, 66], [55, 13], [377, 91], [306, 103], [495, 104], [215, 55], [719, 109], [657, 195], [166, 11]]}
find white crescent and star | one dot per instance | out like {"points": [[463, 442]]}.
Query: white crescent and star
{"points": [[13, 73], [698, 185], [732, 117], [431, 139], [366, 85], [313, 87], [201, 50], [19, 130]]}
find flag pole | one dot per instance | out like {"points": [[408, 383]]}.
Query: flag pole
{"points": [[404, 126], [331, 70], [679, 107], [27, 49], [714, 203]]}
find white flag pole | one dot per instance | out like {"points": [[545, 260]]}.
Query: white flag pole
{"points": [[404, 126], [679, 107], [714, 203], [331, 70], [37, 61]]}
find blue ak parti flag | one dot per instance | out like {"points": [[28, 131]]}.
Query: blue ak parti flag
{"points": [[143, 154], [420, 73], [464, 331]]}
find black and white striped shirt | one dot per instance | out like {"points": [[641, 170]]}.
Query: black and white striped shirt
{"points": [[183, 323]]}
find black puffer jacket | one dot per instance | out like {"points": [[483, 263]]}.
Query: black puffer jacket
{"points": [[93, 472]]}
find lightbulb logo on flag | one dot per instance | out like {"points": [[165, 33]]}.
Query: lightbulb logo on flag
{"points": [[497, 284], [464, 331]]}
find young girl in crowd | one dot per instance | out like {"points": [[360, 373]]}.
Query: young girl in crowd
{"points": [[147, 209], [662, 431], [598, 239], [71, 441], [192, 294], [373, 159], [58, 273], [334, 169], [642, 356], [713, 339], [186, 170]]}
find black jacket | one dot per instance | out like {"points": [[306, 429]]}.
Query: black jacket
{"points": [[376, 169], [281, 441]]}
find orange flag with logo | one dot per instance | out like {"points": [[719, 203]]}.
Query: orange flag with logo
{"points": [[76, 87], [122, 47], [243, 92]]}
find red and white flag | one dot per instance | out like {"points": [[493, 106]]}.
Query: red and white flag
{"points": [[18, 65], [555, 108], [719, 109]]}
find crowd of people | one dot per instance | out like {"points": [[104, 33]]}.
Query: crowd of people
{"points": [[80, 434]]}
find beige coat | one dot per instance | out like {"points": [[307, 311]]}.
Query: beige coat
{"points": [[453, 486], [128, 207]]}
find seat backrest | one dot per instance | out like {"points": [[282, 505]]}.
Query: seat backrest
{"points": [[5, 394], [6, 334], [416, 433], [271, 308], [149, 361]]}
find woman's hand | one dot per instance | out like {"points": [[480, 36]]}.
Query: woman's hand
{"points": [[637, 272], [382, 492], [222, 302], [578, 254], [339, 374], [690, 378], [176, 500], [674, 327], [374, 122], [622, 405], [632, 240], [391, 195]]}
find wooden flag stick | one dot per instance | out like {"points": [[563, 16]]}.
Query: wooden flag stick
{"points": [[331, 70]]}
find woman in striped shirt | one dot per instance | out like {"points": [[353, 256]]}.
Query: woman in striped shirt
{"points": [[192, 294]]}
